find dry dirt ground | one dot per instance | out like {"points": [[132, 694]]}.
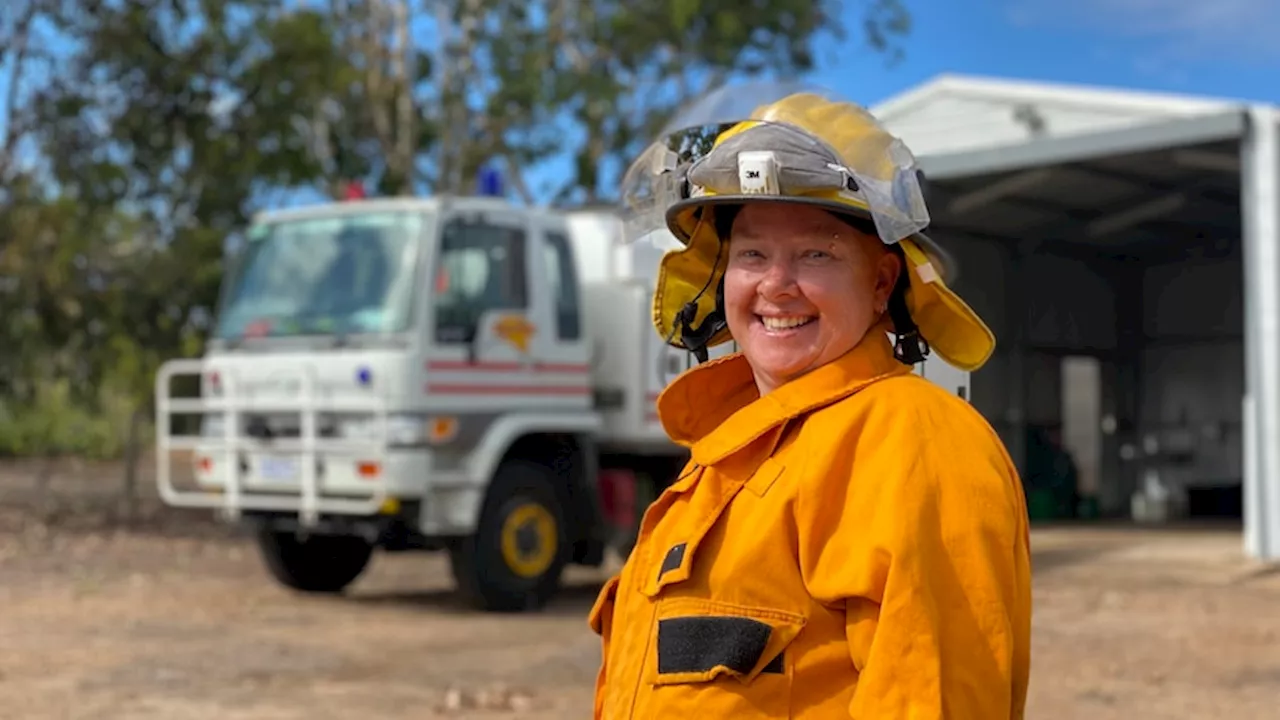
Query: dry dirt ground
{"points": [[175, 619]]}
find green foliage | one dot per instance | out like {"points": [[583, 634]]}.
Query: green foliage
{"points": [[53, 422]]}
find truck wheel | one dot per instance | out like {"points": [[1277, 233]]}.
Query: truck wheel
{"points": [[318, 564], [514, 560]]}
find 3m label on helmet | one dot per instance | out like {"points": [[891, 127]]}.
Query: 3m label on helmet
{"points": [[758, 173]]}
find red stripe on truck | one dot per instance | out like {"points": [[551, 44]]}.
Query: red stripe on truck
{"points": [[460, 389], [464, 366]]}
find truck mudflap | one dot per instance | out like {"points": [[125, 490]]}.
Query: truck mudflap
{"points": [[229, 465]]}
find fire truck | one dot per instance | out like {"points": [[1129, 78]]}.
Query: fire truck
{"points": [[453, 374]]}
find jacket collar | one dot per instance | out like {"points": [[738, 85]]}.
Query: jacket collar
{"points": [[716, 410]]}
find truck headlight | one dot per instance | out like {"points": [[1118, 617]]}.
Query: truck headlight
{"points": [[403, 430]]}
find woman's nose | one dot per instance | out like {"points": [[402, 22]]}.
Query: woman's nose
{"points": [[779, 279]]}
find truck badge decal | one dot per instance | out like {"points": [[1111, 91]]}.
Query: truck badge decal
{"points": [[515, 329]]}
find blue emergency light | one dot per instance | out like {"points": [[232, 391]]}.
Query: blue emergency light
{"points": [[489, 182], [364, 376]]}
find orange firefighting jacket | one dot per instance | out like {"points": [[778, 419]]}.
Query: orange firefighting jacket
{"points": [[853, 544]]}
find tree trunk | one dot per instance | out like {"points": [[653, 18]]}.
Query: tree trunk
{"points": [[132, 453]]}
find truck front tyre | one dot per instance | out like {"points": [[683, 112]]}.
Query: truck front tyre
{"points": [[514, 560], [316, 564]]}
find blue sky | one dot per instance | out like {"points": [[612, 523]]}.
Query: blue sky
{"points": [[1218, 48], [1223, 48]]}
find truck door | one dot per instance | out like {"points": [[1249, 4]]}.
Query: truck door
{"points": [[563, 348], [493, 322], [481, 307]]}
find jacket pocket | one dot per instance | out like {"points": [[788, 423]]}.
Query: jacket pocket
{"points": [[670, 552], [724, 659]]}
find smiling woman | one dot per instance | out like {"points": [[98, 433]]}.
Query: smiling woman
{"points": [[848, 540], [801, 288]]}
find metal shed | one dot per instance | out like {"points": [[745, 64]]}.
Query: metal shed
{"points": [[1125, 249]]}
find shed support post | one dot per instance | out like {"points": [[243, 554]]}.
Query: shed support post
{"points": [[1260, 209], [1017, 313]]}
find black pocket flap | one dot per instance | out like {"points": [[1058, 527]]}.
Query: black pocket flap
{"points": [[698, 640]]}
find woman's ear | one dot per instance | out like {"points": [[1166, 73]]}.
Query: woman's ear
{"points": [[889, 269]]}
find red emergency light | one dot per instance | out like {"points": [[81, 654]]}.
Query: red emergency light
{"points": [[353, 191]]}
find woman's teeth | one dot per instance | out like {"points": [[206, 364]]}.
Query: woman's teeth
{"points": [[785, 323]]}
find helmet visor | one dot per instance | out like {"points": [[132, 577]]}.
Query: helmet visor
{"points": [[778, 140]]}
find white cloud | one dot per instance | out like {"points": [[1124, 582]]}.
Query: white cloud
{"points": [[1182, 30]]}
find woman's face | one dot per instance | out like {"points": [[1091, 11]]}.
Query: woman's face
{"points": [[801, 288]]}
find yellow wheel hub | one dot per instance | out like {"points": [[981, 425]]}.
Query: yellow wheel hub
{"points": [[529, 540]]}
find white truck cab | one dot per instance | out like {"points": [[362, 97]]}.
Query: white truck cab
{"points": [[450, 373]]}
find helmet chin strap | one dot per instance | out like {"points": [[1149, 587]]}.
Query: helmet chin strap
{"points": [[697, 338], [909, 347]]}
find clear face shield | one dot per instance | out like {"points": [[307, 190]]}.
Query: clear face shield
{"points": [[773, 139]]}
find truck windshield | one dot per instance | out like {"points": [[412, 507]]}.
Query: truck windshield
{"points": [[337, 275]]}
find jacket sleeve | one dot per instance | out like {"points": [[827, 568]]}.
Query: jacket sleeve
{"points": [[600, 620], [924, 544]]}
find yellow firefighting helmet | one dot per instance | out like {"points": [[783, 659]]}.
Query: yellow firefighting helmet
{"points": [[785, 142]]}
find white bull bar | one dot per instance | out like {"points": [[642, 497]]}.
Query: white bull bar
{"points": [[233, 500]]}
